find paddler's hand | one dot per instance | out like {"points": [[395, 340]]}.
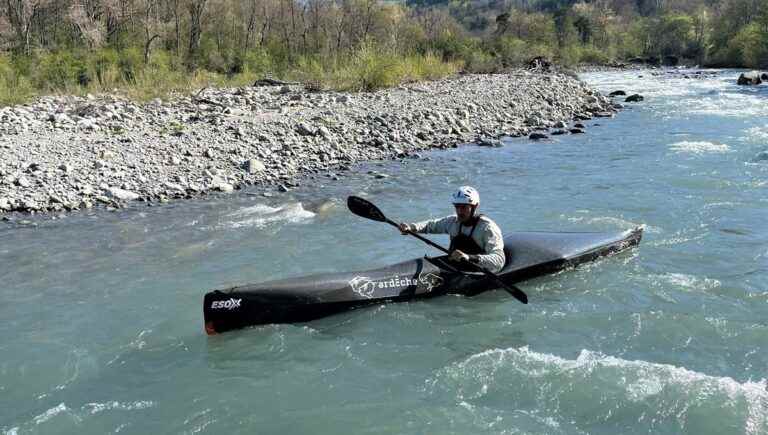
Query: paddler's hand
{"points": [[405, 228], [459, 256]]}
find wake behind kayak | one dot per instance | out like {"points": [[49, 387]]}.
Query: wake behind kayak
{"points": [[529, 255]]}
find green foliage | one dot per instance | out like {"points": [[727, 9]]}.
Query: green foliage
{"points": [[426, 67], [593, 55], [370, 69], [259, 62], [104, 66], [131, 63], [452, 45], [752, 45], [482, 62], [674, 33], [59, 71], [511, 51], [14, 86]]}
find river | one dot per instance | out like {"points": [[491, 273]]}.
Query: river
{"points": [[101, 314]]}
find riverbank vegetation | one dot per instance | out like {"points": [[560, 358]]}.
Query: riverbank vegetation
{"points": [[150, 48]]}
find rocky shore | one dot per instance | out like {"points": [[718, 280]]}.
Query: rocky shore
{"points": [[70, 153]]}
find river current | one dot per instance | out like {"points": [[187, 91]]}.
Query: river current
{"points": [[101, 312]]}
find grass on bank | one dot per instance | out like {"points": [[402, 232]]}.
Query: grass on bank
{"points": [[369, 67], [126, 73]]}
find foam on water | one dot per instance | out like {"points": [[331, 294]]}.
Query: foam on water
{"points": [[598, 384], [261, 215], [699, 147], [688, 282], [50, 413], [757, 134], [78, 415], [95, 408], [731, 105]]}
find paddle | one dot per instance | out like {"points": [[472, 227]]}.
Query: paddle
{"points": [[366, 209]]}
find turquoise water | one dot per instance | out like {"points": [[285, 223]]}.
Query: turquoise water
{"points": [[101, 314]]}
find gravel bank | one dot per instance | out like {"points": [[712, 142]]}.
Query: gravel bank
{"points": [[70, 153]]}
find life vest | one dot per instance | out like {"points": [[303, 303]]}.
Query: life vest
{"points": [[465, 243]]}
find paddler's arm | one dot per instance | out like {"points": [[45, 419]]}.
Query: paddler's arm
{"points": [[433, 226], [493, 244]]}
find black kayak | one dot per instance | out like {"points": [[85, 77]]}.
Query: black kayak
{"points": [[529, 255]]}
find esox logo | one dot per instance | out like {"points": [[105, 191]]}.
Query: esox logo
{"points": [[231, 304], [363, 286]]}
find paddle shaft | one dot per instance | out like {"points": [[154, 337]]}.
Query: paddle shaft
{"points": [[423, 239], [512, 290]]}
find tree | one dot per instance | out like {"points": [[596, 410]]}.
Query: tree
{"points": [[196, 8], [21, 14]]}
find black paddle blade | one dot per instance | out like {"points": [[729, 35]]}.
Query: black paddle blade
{"points": [[364, 208]]}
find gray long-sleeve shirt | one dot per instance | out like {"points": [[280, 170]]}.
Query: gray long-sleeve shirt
{"points": [[487, 235]]}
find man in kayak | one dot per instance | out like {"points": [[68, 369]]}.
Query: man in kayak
{"points": [[474, 237]]}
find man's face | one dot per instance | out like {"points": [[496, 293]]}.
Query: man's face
{"points": [[463, 212]]}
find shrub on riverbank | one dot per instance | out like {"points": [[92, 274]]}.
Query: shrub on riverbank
{"points": [[125, 72]]}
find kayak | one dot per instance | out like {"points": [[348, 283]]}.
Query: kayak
{"points": [[528, 255]]}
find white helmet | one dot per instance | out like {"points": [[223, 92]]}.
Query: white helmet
{"points": [[466, 195]]}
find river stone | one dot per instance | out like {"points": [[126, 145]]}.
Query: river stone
{"points": [[749, 78], [304, 129], [538, 136], [324, 132], [253, 166], [225, 187], [576, 130], [218, 183], [617, 93], [488, 142], [22, 182], [121, 194], [634, 98], [174, 186], [5, 204]]}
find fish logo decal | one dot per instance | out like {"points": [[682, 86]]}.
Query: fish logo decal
{"points": [[363, 286], [430, 280]]}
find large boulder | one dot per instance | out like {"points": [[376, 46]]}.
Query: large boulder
{"points": [[749, 78]]}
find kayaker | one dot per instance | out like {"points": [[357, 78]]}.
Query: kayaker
{"points": [[474, 237]]}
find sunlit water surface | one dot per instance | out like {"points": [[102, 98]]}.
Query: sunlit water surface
{"points": [[101, 313]]}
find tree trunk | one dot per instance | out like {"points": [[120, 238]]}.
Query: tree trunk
{"points": [[196, 9]]}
